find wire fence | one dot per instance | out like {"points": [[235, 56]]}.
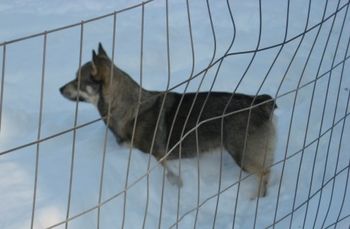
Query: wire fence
{"points": [[334, 43]]}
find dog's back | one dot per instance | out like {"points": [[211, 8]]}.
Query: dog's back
{"points": [[206, 111]]}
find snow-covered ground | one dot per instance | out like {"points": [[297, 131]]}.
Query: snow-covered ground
{"points": [[320, 161]]}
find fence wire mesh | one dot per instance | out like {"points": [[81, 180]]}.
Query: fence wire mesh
{"points": [[311, 90]]}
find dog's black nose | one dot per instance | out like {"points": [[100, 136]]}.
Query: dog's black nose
{"points": [[62, 89]]}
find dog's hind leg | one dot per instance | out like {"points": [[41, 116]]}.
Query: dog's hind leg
{"points": [[254, 166], [263, 175], [257, 155]]}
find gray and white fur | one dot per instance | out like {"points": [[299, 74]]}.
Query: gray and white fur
{"points": [[121, 93]]}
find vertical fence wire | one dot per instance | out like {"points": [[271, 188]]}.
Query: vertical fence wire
{"points": [[322, 118], [313, 167], [168, 60], [268, 72], [2, 82], [162, 105], [202, 108], [204, 104], [193, 64], [346, 181], [340, 144], [71, 171], [37, 155], [324, 112], [136, 113], [308, 118], [248, 122], [292, 113], [155, 131], [334, 115], [307, 128], [108, 119]]}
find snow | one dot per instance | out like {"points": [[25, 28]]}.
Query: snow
{"points": [[21, 105]]}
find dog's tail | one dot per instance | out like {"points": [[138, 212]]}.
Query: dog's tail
{"points": [[266, 105]]}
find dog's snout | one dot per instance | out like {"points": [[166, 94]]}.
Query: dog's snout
{"points": [[62, 90]]}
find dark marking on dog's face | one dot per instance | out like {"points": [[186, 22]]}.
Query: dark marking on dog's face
{"points": [[93, 75], [89, 88]]}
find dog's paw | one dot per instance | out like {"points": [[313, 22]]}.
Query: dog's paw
{"points": [[260, 194], [174, 179]]}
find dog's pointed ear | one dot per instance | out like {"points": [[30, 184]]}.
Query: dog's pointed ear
{"points": [[101, 50], [94, 56], [93, 66]]}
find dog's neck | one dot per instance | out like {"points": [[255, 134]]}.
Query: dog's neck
{"points": [[120, 97]]}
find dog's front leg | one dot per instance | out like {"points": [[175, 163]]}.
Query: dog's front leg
{"points": [[171, 176], [174, 179]]}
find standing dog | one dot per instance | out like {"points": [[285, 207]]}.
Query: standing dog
{"points": [[172, 125]]}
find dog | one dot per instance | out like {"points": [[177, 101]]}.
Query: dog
{"points": [[171, 125]]}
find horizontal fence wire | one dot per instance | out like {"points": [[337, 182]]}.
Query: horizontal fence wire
{"points": [[282, 95], [215, 62]]}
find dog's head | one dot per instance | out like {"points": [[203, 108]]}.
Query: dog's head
{"points": [[90, 78]]}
